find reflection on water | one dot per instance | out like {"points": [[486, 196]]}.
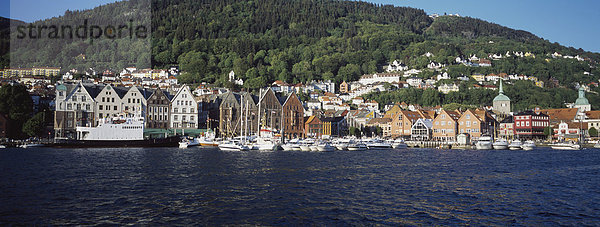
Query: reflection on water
{"points": [[208, 187]]}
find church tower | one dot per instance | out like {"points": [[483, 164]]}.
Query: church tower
{"points": [[501, 103], [582, 102]]}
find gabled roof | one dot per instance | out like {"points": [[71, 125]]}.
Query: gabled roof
{"points": [[93, 90], [121, 91]]}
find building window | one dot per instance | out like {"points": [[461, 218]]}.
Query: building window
{"points": [[175, 117], [100, 107], [103, 99], [83, 98], [69, 106], [175, 110]]}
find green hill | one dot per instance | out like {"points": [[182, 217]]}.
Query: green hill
{"points": [[303, 40]]}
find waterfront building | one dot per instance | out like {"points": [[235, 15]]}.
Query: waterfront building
{"points": [[269, 110], [501, 103], [313, 127], [445, 126], [293, 117], [507, 128], [421, 130], [184, 110], [384, 123], [134, 101], [530, 124], [403, 121], [159, 105], [229, 115], [569, 131], [476, 123], [109, 102], [334, 126], [75, 106]]}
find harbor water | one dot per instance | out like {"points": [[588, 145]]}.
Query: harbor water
{"points": [[198, 186]]}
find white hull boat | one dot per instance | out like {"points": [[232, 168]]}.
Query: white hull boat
{"points": [[500, 144], [357, 147], [565, 146], [232, 147], [484, 143], [528, 145], [515, 145]]}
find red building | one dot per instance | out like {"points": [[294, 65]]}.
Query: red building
{"points": [[530, 124]]}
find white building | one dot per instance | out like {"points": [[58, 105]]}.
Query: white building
{"points": [[447, 88], [396, 66], [184, 109], [380, 78]]}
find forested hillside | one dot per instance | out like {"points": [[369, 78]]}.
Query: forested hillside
{"points": [[302, 40]]}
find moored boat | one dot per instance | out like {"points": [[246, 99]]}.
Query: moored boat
{"points": [[357, 147], [377, 144], [528, 145], [116, 132], [232, 146], [484, 143], [399, 144], [325, 147], [565, 146], [500, 144], [515, 145]]}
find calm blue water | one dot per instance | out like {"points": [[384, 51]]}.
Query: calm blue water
{"points": [[208, 187]]}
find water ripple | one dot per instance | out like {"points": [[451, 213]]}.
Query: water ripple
{"points": [[208, 187]]}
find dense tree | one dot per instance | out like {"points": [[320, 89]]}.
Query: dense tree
{"points": [[17, 105]]}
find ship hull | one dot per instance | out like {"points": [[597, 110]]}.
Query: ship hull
{"points": [[158, 142]]}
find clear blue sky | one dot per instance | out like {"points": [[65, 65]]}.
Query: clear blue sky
{"points": [[573, 23]]}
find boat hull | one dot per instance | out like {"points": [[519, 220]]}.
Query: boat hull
{"points": [[158, 142]]}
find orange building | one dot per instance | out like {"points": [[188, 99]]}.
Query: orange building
{"points": [[445, 125]]}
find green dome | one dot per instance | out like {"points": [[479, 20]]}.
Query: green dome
{"points": [[582, 101], [61, 87], [501, 97]]}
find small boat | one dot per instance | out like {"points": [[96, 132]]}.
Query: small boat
{"points": [[484, 143], [399, 144], [565, 146], [188, 142], [264, 145], [341, 146], [500, 144], [357, 147], [597, 145], [2, 146], [232, 146], [378, 144], [325, 147], [515, 145], [528, 145], [28, 145]]}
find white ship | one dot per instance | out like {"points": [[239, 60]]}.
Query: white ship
{"points": [[484, 143], [116, 132]]}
